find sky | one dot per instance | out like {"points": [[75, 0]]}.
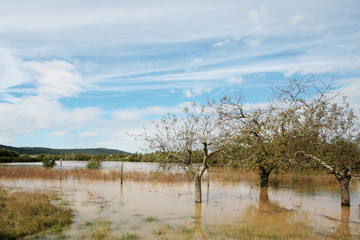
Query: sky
{"points": [[86, 73]]}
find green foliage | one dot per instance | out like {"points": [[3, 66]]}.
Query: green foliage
{"points": [[151, 219], [77, 157], [129, 236], [143, 157], [120, 157], [48, 163], [98, 229], [94, 164], [40, 150], [47, 160], [8, 153], [10, 156]]}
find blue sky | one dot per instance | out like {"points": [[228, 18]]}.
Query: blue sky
{"points": [[79, 74]]}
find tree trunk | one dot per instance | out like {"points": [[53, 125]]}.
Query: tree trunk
{"points": [[345, 192], [264, 176], [198, 197]]}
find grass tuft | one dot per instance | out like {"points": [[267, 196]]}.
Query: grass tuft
{"points": [[151, 219], [99, 229], [24, 213], [129, 236]]}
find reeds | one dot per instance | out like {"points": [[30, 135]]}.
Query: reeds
{"points": [[216, 175], [87, 174]]}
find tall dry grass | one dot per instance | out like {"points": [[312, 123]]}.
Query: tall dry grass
{"points": [[217, 175], [88, 174], [24, 213]]}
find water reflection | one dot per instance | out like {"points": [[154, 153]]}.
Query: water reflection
{"points": [[342, 228], [197, 232], [270, 216]]}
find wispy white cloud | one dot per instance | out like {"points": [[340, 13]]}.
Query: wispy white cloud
{"points": [[11, 73], [56, 78], [37, 113], [236, 80], [198, 91], [196, 61], [155, 111], [253, 41], [296, 18], [225, 43], [254, 16]]}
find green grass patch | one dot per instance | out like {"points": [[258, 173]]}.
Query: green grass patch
{"points": [[151, 219], [247, 233], [99, 229], [25, 213], [129, 236]]}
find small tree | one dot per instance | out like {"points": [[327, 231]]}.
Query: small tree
{"points": [[330, 137], [47, 160], [177, 138], [255, 134], [323, 131], [95, 162]]}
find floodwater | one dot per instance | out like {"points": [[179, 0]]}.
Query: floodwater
{"points": [[167, 211], [129, 166]]}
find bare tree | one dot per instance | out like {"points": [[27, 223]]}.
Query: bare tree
{"points": [[181, 137]]}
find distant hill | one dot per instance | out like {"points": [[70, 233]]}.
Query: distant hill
{"points": [[40, 150]]}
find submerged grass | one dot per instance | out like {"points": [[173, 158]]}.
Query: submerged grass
{"points": [[99, 229], [24, 213], [151, 219], [223, 175], [246, 233], [129, 236]]}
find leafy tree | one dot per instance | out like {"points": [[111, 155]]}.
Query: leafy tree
{"points": [[322, 131], [256, 135], [94, 164], [178, 137], [332, 140], [47, 160]]}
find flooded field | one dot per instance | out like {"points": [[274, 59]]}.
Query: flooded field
{"points": [[236, 210]]}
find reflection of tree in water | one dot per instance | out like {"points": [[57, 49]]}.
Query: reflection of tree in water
{"points": [[343, 230], [197, 232], [270, 217]]}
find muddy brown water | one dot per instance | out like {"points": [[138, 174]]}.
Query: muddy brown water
{"points": [[311, 210]]}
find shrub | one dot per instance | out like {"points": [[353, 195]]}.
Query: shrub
{"points": [[93, 164], [48, 163]]}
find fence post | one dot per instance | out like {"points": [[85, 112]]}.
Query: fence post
{"points": [[60, 169], [122, 172]]}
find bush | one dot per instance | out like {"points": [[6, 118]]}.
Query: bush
{"points": [[48, 163], [94, 164]]}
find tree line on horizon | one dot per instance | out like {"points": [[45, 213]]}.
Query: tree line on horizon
{"points": [[44, 150]]}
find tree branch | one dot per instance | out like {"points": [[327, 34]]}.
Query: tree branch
{"points": [[321, 162]]}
